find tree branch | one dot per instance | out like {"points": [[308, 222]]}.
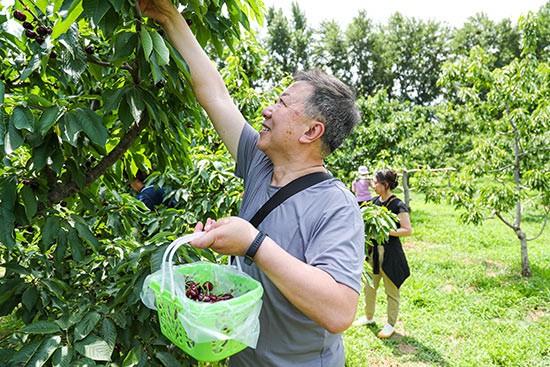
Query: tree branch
{"points": [[60, 191], [544, 225], [93, 60], [524, 154], [501, 169], [497, 213]]}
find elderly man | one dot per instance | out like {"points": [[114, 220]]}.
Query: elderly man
{"points": [[308, 252]]}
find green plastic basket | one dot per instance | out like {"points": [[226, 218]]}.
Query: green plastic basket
{"points": [[247, 293]]}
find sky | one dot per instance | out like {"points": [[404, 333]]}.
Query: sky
{"points": [[454, 13]]}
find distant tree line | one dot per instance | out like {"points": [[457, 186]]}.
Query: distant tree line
{"points": [[404, 56]]}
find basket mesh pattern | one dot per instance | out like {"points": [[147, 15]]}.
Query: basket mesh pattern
{"points": [[221, 316]]}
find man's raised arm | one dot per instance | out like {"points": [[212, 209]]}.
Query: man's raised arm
{"points": [[207, 83]]}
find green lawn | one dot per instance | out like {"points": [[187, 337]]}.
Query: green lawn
{"points": [[465, 303]]}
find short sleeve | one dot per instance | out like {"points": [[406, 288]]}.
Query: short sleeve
{"points": [[247, 147], [399, 207]]}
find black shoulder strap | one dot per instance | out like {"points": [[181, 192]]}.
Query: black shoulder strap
{"points": [[299, 184]]}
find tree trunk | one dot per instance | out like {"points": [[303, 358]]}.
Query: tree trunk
{"points": [[406, 188], [525, 267]]}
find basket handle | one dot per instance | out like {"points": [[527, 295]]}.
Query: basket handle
{"points": [[169, 253], [229, 259]]}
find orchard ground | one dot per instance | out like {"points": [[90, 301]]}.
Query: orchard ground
{"points": [[465, 303]]}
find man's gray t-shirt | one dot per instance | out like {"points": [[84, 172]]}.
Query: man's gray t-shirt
{"points": [[321, 226]]}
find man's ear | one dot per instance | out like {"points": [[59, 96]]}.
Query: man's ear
{"points": [[314, 132]]}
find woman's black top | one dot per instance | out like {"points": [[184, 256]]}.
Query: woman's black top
{"points": [[395, 263]]}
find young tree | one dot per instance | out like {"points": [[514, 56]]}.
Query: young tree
{"points": [[508, 110]]}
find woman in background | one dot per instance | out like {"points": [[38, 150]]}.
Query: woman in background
{"points": [[361, 186], [394, 269]]}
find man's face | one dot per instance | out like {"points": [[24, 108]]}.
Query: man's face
{"points": [[284, 122], [136, 184]]}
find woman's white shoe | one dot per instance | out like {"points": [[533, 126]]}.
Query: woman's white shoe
{"points": [[386, 332], [362, 321]]}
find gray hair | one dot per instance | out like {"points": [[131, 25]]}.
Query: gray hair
{"points": [[333, 103]]}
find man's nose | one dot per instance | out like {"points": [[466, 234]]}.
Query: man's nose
{"points": [[266, 112]]}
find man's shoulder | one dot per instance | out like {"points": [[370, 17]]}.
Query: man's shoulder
{"points": [[332, 195]]}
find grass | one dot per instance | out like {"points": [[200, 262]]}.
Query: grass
{"points": [[465, 303]]}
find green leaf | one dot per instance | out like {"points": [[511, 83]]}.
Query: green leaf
{"points": [[23, 118], [13, 138], [29, 297], [41, 327], [94, 348], [133, 357], [111, 99], [155, 69], [2, 91], [125, 44], [167, 359], [124, 113], [95, 9], [37, 101], [16, 268], [83, 362], [74, 59], [92, 125], [77, 248], [162, 52], [74, 13], [108, 331], [86, 325], [85, 233], [40, 156], [58, 160], [42, 5], [55, 286], [29, 201], [45, 351], [62, 357], [48, 118], [34, 63], [7, 224], [70, 128], [146, 42], [50, 230], [9, 194], [77, 174], [24, 354], [135, 101], [117, 4]]}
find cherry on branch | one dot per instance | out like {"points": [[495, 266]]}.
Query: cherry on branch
{"points": [[19, 15]]}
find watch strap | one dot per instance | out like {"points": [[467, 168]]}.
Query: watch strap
{"points": [[251, 252]]}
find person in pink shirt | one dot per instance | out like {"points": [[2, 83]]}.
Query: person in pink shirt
{"points": [[361, 186]]}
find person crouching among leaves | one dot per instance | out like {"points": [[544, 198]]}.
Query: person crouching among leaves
{"points": [[387, 259], [150, 195]]}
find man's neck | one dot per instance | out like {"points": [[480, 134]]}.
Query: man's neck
{"points": [[283, 174]]}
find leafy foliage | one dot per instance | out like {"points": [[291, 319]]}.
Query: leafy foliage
{"points": [[81, 111]]}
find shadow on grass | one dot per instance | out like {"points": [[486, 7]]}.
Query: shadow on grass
{"points": [[526, 287], [410, 348]]}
